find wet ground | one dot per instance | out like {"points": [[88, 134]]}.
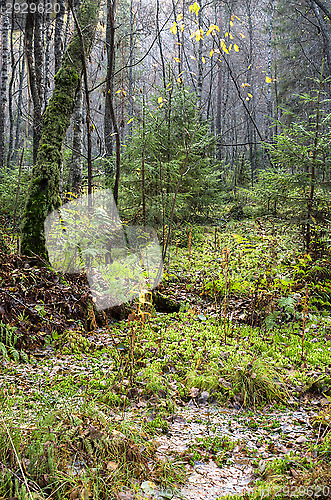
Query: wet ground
{"points": [[259, 438]]}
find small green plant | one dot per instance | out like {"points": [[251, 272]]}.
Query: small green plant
{"points": [[8, 343]]}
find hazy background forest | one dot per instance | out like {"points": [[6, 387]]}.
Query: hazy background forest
{"points": [[239, 87]]}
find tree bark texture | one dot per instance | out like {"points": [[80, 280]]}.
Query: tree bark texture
{"points": [[34, 56], [326, 35], [3, 84], [58, 43], [76, 165], [110, 49]]}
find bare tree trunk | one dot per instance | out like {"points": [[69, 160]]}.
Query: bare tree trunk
{"points": [[19, 110], [110, 111], [200, 63], [219, 107], [250, 82], [143, 192], [159, 40], [179, 44], [34, 55], [3, 87], [58, 43], [43, 194], [110, 48], [10, 92], [47, 38], [325, 33], [131, 65], [269, 101], [76, 165]]}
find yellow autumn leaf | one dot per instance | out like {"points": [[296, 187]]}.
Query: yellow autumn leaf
{"points": [[231, 23], [118, 91], [192, 57], [195, 7], [226, 34], [236, 48], [182, 28], [230, 47], [173, 28], [213, 28], [203, 60], [179, 17], [161, 104], [249, 95], [211, 53], [230, 35], [223, 47], [237, 18], [268, 79], [160, 99], [242, 36], [177, 59], [179, 80], [198, 34], [232, 17], [124, 93], [131, 119]]}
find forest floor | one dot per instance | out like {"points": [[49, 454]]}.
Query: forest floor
{"points": [[225, 395]]}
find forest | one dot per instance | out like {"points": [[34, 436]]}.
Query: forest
{"points": [[165, 249]]}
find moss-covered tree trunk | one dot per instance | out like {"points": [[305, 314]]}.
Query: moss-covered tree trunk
{"points": [[43, 196]]}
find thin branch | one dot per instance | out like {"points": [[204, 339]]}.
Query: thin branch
{"points": [[323, 8]]}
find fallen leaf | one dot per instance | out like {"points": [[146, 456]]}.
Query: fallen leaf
{"points": [[148, 487], [112, 465], [194, 391]]}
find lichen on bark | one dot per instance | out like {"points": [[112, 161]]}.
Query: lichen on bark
{"points": [[44, 190]]}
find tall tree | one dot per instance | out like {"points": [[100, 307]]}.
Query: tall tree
{"points": [[110, 50], [58, 43], [43, 196], [110, 122], [35, 55], [325, 33], [76, 164], [3, 82]]}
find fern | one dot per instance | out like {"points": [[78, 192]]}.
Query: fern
{"points": [[13, 353], [3, 350], [8, 341]]}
